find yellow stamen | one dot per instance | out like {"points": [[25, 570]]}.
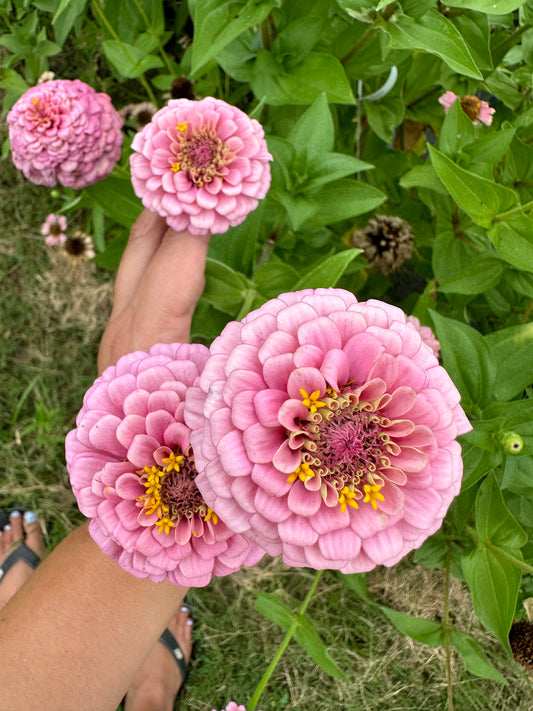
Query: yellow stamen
{"points": [[312, 401], [175, 167], [35, 101], [347, 498], [173, 462], [372, 495], [211, 515], [182, 126], [303, 472], [165, 524]]}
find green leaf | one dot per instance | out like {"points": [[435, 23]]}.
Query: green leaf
{"points": [[494, 521], [343, 199], [385, 115], [275, 278], [477, 463], [117, 198], [467, 359], [225, 288], [514, 241], [423, 176], [492, 147], [474, 658], [66, 14], [480, 198], [329, 272], [491, 7], [512, 349], [303, 83], [111, 256], [357, 583], [314, 134], [308, 638], [10, 80], [435, 34], [333, 166], [207, 322], [457, 130], [483, 274], [218, 22], [494, 583], [419, 629], [129, 61], [275, 610], [237, 247]]}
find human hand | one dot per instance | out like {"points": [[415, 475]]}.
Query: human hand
{"points": [[159, 281]]}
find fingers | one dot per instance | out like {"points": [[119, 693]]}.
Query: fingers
{"points": [[145, 238]]}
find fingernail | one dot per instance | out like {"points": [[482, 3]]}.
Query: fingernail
{"points": [[30, 517], [15, 514]]}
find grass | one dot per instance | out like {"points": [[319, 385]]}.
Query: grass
{"points": [[52, 316]]}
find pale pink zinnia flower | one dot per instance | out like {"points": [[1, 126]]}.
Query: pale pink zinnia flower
{"points": [[325, 430], [232, 706], [203, 165], [426, 334], [132, 471], [53, 229], [476, 109], [64, 131]]}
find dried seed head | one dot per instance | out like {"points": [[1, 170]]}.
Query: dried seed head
{"points": [[521, 641], [471, 105], [182, 88], [387, 242]]}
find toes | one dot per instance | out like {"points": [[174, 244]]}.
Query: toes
{"points": [[7, 536], [15, 521], [34, 533]]}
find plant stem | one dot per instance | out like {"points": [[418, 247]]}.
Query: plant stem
{"points": [[446, 621], [501, 552], [249, 296], [510, 41], [527, 312], [164, 55], [283, 646]]}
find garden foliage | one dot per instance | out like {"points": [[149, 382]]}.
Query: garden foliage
{"points": [[347, 91]]}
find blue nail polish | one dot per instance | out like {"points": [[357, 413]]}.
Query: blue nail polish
{"points": [[30, 517], [7, 528], [184, 609], [15, 514], [189, 622]]}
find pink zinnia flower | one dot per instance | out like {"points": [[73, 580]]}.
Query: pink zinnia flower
{"points": [[325, 430], [426, 334], [476, 109], [53, 228], [232, 706], [203, 165], [64, 131], [132, 470]]}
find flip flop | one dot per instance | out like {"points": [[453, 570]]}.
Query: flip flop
{"points": [[21, 552], [171, 643]]}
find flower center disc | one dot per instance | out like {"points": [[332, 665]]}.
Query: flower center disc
{"points": [[202, 154]]}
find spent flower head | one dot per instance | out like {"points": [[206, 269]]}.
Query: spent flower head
{"points": [[476, 109]]}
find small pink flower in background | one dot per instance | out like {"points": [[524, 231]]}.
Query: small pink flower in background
{"points": [[64, 131], [53, 229], [132, 471], [476, 109], [232, 706], [203, 165], [426, 334], [324, 429]]}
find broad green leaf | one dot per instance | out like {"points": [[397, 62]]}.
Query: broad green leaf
{"points": [[10, 80], [494, 583], [207, 322], [299, 208], [329, 272], [512, 349], [385, 115], [225, 288], [314, 134], [66, 14], [467, 359], [343, 199], [357, 583], [492, 147], [111, 256], [308, 638], [514, 241], [117, 198], [237, 247], [457, 130], [474, 658], [423, 176], [419, 629], [483, 274], [477, 463], [303, 83], [275, 610], [491, 7], [129, 61], [275, 278], [435, 34], [476, 27], [494, 521], [218, 22], [333, 166], [480, 198], [432, 553]]}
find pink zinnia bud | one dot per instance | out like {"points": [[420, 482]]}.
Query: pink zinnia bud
{"points": [[426, 334], [132, 471], [203, 165], [324, 429], [64, 131], [53, 229], [232, 706], [476, 109]]}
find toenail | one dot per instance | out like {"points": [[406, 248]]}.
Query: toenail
{"points": [[30, 517], [184, 609], [7, 528], [15, 514], [189, 622]]}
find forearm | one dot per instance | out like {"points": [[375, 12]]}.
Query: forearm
{"points": [[77, 631]]}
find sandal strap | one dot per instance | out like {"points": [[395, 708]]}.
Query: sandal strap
{"points": [[21, 552], [171, 643]]}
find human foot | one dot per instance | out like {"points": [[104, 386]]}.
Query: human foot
{"points": [[159, 679], [20, 529]]}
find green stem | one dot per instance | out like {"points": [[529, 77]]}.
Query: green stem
{"points": [[510, 41], [514, 211], [95, 5], [265, 34], [501, 552], [283, 646], [249, 296], [446, 621], [164, 55]]}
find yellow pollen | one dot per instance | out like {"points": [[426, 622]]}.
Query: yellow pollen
{"points": [[173, 462], [303, 472], [312, 401], [165, 524], [372, 495], [347, 498], [35, 101], [211, 515], [175, 167], [201, 183], [182, 126]]}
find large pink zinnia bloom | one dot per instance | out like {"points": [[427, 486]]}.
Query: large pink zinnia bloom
{"points": [[203, 165], [132, 470], [325, 430], [64, 131]]}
